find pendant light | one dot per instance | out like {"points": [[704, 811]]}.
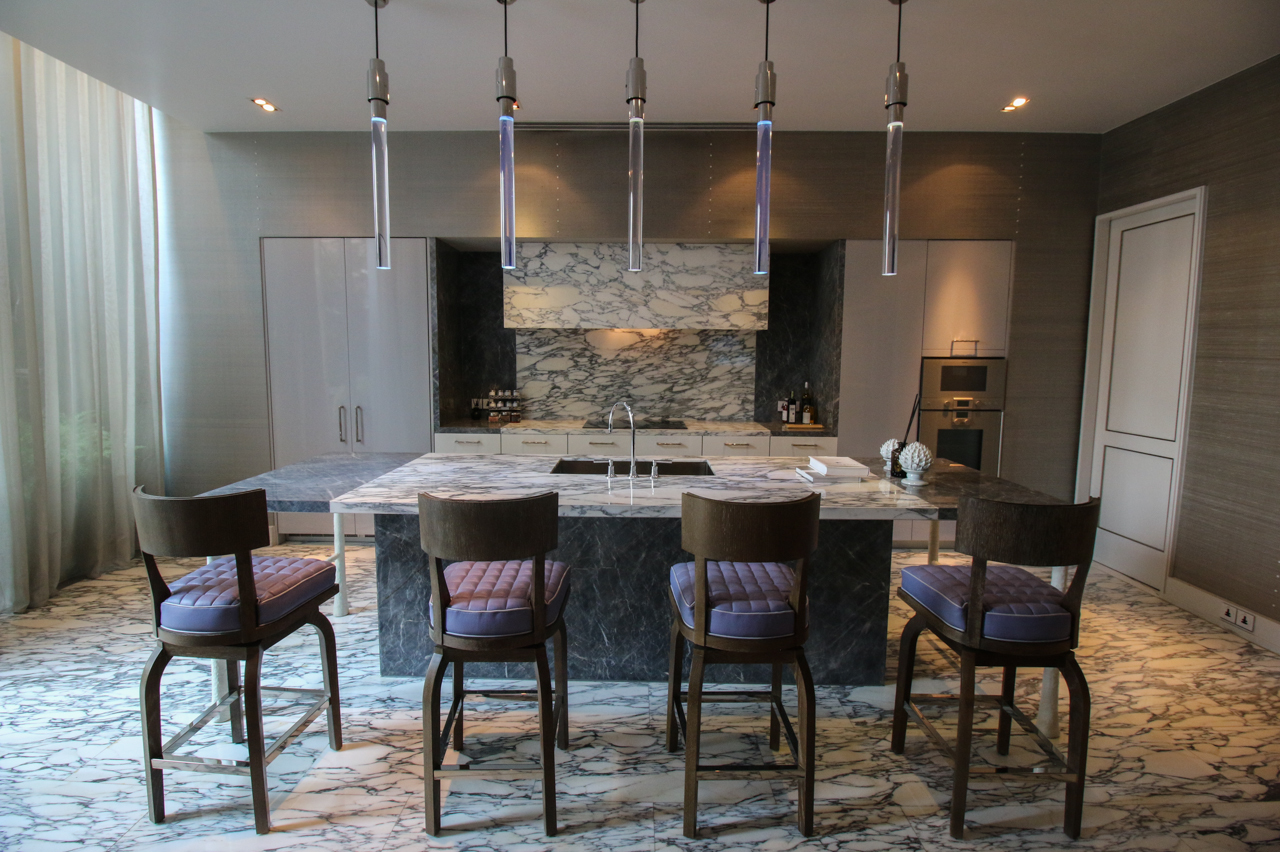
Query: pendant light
{"points": [[636, 89], [766, 91], [895, 101], [379, 97], [507, 104]]}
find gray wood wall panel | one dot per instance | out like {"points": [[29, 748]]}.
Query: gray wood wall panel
{"points": [[225, 191], [1223, 137]]}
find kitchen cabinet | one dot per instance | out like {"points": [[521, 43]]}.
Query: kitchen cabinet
{"points": [[535, 444], [482, 443], [667, 445], [348, 352], [801, 445], [747, 445], [604, 444], [966, 298]]}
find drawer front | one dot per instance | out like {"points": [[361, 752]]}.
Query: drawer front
{"points": [[604, 444], [669, 445], [747, 445], [538, 445], [801, 445], [451, 442]]}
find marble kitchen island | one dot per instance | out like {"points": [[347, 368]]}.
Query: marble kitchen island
{"points": [[621, 538]]}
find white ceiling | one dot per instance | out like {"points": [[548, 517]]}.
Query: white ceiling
{"points": [[1087, 65]]}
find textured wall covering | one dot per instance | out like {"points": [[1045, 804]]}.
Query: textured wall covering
{"points": [[705, 375], [474, 352], [587, 285], [1223, 137]]}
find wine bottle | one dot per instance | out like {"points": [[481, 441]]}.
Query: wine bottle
{"points": [[791, 407], [807, 413]]}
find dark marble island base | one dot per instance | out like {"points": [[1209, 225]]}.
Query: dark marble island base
{"points": [[618, 615]]}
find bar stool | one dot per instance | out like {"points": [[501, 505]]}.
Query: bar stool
{"points": [[500, 605], [234, 608], [1023, 622], [737, 602]]}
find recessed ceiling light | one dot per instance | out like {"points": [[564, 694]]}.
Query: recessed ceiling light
{"points": [[266, 105], [1018, 102], [1015, 103]]}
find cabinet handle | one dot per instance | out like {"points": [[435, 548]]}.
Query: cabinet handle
{"points": [[670, 444], [342, 424], [466, 442], [804, 445], [359, 425], [533, 442], [603, 443], [737, 444]]}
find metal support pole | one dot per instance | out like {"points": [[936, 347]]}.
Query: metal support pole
{"points": [[1047, 716], [218, 677], [933, 542], [339, 559]]}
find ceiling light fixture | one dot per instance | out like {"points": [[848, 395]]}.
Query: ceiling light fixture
{"points": [[266, 105], [507, 104], [379, 97], [895, 101], [1015, 104], [766, 94], [636, 91]]}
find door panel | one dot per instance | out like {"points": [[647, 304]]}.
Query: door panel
{"points": [[1129, 479], [388, 329], [1150, 328], [304, 286]]}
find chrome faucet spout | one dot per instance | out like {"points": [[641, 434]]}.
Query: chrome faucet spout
{"points": [[632, 419]]}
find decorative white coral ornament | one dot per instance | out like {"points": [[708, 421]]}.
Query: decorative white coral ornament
{"points": [[915, 460], [887, 448]]}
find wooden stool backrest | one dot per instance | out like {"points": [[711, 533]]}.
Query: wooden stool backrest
{"points": [[488, 531], [732, 531], [1032, 535], [203, 526]]}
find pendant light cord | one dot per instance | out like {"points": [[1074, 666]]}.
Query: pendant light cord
{"points": [[767, 4], [504, 30], [637, 28], [899, 59], [376, 54]]}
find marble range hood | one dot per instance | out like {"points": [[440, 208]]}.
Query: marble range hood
{"points": [[587, 285]]}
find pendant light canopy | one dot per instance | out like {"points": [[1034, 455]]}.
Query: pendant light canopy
{"points": [[766, 92], [379, 97], [895, 101], [507, 104], [636, 91]]}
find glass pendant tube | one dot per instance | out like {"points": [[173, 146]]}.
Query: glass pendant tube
{"points": [[378, 98], [507, 160], [895, 101], [764, 163], [636, 91]]}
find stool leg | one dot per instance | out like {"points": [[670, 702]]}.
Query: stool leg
{"points": [[775, 726], [674, 679], [257, 748], [964, 745], [1005, 725], [562, 688], [237, 706], [1077, 744], [152, 741], [692, 738], [329, 663], [547, 738], [906, 672], [459, 698], [432, 754], [807, 719]]}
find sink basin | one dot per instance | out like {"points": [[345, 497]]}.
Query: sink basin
{"points": [[622, 467]]}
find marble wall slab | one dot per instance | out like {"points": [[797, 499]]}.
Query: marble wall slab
{"points": [[587, 285], [702, 375]]}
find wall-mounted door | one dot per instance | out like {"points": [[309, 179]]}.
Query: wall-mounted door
{"points": [[1141, 345]]}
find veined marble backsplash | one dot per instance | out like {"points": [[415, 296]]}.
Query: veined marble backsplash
{"points": [[698, 374], [587, 285]]}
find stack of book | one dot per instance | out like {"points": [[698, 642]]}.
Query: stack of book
{"points": [[832, 469]]}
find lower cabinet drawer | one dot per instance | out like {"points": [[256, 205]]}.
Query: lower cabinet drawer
{"points": [[605, 444], [468, 443], [535, 444], [801, 445], [669, 445], [747, 445]]}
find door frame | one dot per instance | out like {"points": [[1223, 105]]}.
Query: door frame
{"points": [[1093, 351]]}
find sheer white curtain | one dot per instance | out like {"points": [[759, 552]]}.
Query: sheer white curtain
{"points": [[79, 398]]}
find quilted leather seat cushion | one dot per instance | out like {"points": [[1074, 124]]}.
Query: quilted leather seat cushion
{"points": [[492, 599], [1020, 607], [749, 600], [208, 601]]}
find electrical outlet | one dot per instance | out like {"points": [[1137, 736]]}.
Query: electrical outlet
{"points": [[1244, 620], [1227, 613]]}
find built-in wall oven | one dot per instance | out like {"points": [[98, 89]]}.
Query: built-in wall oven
{"points": [[962, 410]]}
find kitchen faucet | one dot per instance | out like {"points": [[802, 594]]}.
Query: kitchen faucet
{"points": [[632, 419]]}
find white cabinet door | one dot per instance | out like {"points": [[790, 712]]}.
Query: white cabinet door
{"points": [[388, 329], [745, 445], [668, 445], [304, 285], [460, 442], [800, 445], [603, 444], [537, 445], [967, 286]]}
